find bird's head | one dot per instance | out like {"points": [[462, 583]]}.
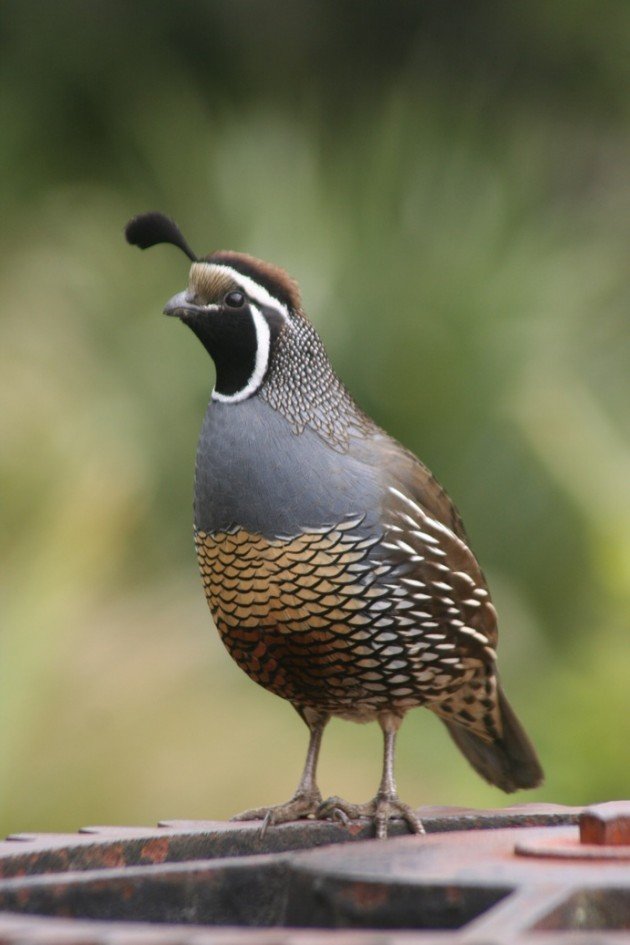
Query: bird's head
{"points": [[238, 307]]}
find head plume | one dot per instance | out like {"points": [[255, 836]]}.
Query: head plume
{"points": [[149, 229]]}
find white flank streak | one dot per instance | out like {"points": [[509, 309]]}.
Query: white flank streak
{"points": [[466, 577], [408, 519], [255, 291], [405, 498], [441, 585], [263, 339], [423, 536], [474, 634], [431, 522]]}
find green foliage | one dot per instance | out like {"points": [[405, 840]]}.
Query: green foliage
{"points": [[451, 193]]}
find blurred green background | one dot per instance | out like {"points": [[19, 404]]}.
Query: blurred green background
{"points": [[449, 183]]}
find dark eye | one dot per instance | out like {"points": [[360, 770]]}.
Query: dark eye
{"points": [[234, 299]]}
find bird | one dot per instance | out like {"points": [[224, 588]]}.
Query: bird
{"points": [[336, 568]]}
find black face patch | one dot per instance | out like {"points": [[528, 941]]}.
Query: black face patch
{"points": [[230, 338]]}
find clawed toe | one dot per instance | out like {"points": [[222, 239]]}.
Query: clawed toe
{"points": [[335, 808], [299, 807], [381, 810], [390, 807]]}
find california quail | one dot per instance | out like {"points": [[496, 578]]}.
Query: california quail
{"points": [[336, 568]]}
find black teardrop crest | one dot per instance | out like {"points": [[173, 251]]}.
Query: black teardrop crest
{"points": [[149, 229]]}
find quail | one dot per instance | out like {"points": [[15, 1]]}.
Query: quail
{"points": [[337, 570]]}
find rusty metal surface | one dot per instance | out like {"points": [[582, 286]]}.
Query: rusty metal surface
{"points": [[310, 882], [604, 834], [183, 840], [606, 824]]}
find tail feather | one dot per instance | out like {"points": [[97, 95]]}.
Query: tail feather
{"points": [[509, 762]]}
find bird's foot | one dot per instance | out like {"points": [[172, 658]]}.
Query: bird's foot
{"points": [[382, 809], [302, 804]]}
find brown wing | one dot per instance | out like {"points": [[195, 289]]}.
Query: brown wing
{"points": [[444, 570], [452, 613], [400, 465]]}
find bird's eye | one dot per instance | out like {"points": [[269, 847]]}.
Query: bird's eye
{"points": [[234, 299]]}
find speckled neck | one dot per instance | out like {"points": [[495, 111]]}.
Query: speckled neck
{"points": [[303, 387]]}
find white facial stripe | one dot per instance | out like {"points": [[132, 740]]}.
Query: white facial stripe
{"points": [[263, 340], [255, 291]]}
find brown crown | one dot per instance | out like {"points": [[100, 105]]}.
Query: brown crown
{"points": [[275, 280]]}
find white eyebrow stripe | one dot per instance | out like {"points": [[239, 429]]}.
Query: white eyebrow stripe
{"points": [[252, 288], [263, 343]]}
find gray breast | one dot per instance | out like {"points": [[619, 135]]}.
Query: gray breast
{"points": [[254, 472]]}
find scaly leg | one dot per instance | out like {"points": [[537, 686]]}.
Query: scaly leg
{"points": [[307, 797], [386, 805]]}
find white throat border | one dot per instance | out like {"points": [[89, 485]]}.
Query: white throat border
{"points": [[263, 344]]}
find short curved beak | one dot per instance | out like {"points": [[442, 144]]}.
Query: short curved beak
{"points": [[179, 305]]}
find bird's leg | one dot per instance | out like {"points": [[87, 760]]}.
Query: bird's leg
{"points": [[386, 805], [307, 797]]}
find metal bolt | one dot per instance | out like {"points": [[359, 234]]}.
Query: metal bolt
{"points": [[606, 824]]}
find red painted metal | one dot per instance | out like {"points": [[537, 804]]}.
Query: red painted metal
{"points": [[606, 825], [604, 834], [316, 883]]}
